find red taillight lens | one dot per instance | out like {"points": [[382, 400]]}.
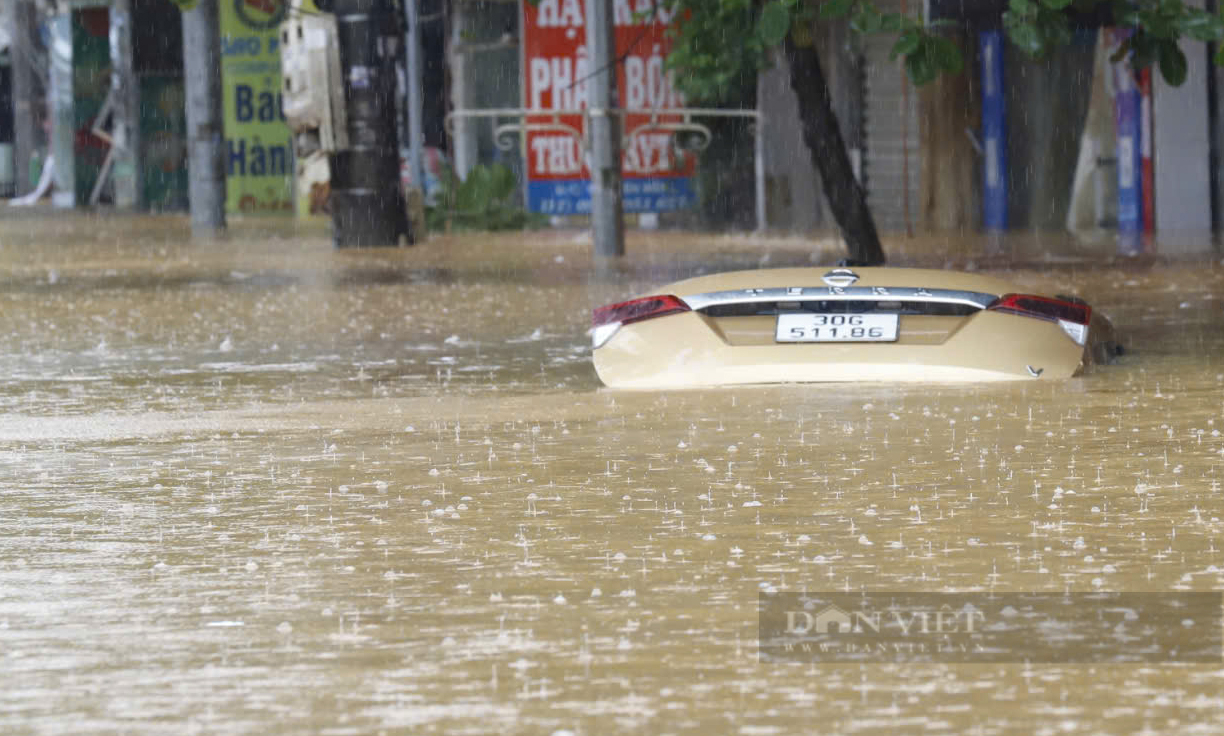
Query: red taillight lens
{"points": [[637, 310], [1043, 307], [605, 321], [1072, 317]]}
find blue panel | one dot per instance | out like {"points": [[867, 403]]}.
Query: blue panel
{"points": [[994, 132], [559, 197], [1130, 166], [640, 195]]}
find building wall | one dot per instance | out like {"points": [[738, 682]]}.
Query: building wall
{"points": [[879, 121], [1047, 108], [793, 194], [893, 157], [1047, 104], [484, 56], [795, 198], [1180, 146]]}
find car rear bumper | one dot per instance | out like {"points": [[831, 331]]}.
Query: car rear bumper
{"points": [[688, 350]]}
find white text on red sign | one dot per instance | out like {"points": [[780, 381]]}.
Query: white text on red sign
{"points": [[569, 13], [559, 82], [646, 153]]}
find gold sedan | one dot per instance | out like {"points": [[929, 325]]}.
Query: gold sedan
{"points": [[841, 324]]}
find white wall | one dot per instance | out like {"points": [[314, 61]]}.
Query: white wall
{"points": [[788, 162], [1180, 146]]}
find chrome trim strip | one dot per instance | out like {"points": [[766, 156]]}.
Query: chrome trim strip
{"points": [[839, 293]]}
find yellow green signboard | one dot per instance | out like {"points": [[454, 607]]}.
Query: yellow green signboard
{"points": [[257, 151]]}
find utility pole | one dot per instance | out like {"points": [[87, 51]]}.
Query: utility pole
{"points": [[416, 102], [205, 139], [61, 102], [19, 18], [604, 132], [1214, 139], [367, 200], [125, 109]]}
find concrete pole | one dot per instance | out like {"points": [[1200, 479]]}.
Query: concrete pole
{"points": [[63, 125], [416, 92], [1214, 137], [604, 132], [205, 136], [126, 171], [19, 18]]}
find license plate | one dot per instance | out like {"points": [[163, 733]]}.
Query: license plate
{"points": [[841, 327]]}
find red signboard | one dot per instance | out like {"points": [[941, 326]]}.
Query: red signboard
{"points": [[657, 175]]}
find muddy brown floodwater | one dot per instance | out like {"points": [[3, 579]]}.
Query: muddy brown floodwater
{"points": [[261, 486]]}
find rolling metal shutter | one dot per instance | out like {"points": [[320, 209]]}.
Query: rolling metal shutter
{"points": [[891, 129]]}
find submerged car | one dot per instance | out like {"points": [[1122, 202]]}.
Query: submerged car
{"points": [[843, 324]]}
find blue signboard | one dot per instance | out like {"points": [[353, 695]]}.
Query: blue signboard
{"points": [[1127, 109], [573, 197], [994, 132]]}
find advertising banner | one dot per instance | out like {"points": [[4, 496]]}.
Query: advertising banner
{"points": [[657, 175], [1127, 111], [258, 168]]}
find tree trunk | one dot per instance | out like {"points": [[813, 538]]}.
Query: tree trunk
{"points": [[823, 137]]}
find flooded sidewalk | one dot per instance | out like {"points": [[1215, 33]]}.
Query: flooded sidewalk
{"points": [[263, 486]]}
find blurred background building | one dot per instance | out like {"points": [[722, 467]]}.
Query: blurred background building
{"points": [[1042, 154]]}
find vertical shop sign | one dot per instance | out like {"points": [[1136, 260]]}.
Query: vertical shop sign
{"points": [[257, 140], [657, 175]]}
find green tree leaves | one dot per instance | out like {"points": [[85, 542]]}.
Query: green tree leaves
{"points": [[1172, 63], [1039, 27], [835, 8], [933, 56], [718, 42], [774, 23], [482, 201], [927, 55]]}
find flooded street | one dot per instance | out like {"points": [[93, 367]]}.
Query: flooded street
{"points": [[263, 486]]}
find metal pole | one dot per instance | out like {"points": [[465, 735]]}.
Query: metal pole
{"points": [[63, 126], [125, 111], [416, 92], [463, 138], [7, 184], [205, 136], [366, 197], [1213, 129], [19, 19], [905, 167], [758, 164], [604, 132]]}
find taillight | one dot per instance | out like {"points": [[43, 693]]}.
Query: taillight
{"points": [[1072, 316], [605, 321]]}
